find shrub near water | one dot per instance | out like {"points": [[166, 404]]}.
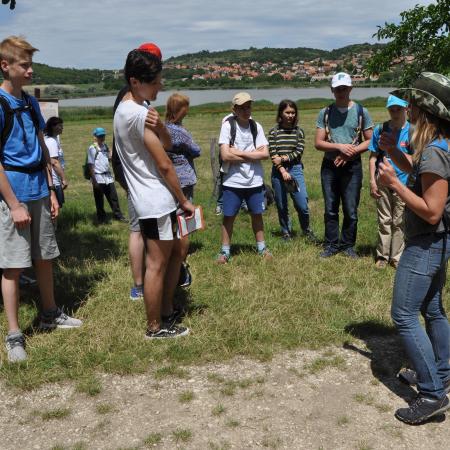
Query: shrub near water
{"points": [[248, 307]]}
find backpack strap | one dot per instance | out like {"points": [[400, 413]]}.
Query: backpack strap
{"points": [[253, 128], [359, 137], [326, 121], [8, 115]]}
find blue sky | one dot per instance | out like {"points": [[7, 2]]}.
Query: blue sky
{"points": [[99, 33]]}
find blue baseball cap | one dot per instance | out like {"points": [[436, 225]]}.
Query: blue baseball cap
{"points": [[99, 132], [395, 101]]}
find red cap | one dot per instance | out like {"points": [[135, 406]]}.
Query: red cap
{"points": [[149, 47]]}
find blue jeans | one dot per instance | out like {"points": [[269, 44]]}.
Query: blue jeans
{"points": [[299, 198], [418, 289], [341, 184]]}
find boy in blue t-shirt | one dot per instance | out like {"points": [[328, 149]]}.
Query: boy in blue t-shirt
{"points": [[26, 208], [390, 206]]}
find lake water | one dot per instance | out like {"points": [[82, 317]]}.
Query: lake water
{"points": [[225, 95]]}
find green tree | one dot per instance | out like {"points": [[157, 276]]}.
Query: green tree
{"points": [[423, 33]]}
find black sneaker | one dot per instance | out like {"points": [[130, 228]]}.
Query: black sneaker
{"points": [[350, 252], [164, 333], [169, 321], [328, 252], [409, 377], [185, 279], [311, 237], [421, 409]]}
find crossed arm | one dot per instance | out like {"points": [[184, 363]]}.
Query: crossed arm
{"points": [[232, 154]]}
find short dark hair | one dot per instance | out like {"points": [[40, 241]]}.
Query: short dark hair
{"points": [[283, 105], [143, 66], [51, 124]]}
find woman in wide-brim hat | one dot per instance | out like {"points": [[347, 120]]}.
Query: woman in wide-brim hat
{"points": [[421, 272]]}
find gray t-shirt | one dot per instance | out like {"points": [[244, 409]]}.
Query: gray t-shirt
{"points": [[343, 125], [434, 160]]}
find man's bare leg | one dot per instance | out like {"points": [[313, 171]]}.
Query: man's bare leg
{"points": [[136, 249], [10, 294], [156, 261], [44, 276], [172, 276]]}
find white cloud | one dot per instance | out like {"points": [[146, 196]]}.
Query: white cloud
{"points": [[87, 33]]}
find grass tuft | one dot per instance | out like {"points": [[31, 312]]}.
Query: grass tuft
{"points": [[57, 413], [182, 435], [186, 396], [153, 439], [218, 410]]}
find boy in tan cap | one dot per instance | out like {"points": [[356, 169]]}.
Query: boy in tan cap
{"points": [[242, 147]]}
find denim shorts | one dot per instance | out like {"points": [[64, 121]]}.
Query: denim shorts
{"points": [[233, 197]]}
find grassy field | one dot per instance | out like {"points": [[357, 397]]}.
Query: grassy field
{"points": [[248, 307]]}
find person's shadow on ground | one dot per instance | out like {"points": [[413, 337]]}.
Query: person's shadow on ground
{"points": [[386, 355]]}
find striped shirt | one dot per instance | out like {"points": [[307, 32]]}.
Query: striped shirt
{"points": [[289, 143]]}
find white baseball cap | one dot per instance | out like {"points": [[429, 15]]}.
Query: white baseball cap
{"points": [[341, 79]]}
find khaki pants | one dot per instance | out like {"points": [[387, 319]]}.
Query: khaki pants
{"points": [[390, 209]]}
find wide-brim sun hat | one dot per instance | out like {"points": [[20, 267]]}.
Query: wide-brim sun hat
{"points": [[430, 92]]}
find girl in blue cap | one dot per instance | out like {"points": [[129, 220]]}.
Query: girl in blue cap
{"points": [[390, 206], [102, 178]]}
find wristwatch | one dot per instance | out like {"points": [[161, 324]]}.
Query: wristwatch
{"points": [[52, 188]]}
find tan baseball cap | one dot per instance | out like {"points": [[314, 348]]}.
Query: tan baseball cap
{"points": [[241, 98]]}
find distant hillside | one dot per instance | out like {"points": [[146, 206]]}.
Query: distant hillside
{"points": [[276, 55], [44, 74]]}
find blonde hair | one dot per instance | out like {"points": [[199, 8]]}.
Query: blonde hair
{"points": [[174, 105], [427, 129], [14, 47]]}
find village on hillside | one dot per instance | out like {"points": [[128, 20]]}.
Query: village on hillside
{"points": [[315, 70]]}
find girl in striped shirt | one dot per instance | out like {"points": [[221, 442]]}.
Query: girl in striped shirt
{"points": [[286, 145]]}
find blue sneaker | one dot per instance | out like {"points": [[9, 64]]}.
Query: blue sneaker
{"points": [[137, 293]]}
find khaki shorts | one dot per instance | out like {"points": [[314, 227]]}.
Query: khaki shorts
{"points": [[36, 241]]}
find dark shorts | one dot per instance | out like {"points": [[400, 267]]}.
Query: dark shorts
{"points": [[233, 197], [161, 229]]}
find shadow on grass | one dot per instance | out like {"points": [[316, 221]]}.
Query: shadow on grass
{"points": [[80, 266], [183, 301], [384, 352], [195, 246], [366, 250]]}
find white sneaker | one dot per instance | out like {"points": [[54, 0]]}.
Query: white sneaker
{"points": [[59, 320], [15, 345]]}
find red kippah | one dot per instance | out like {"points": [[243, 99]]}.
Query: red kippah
{"points": [[149, 47]]}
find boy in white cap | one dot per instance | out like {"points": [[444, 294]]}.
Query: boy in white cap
{"points": [[343, 132], [242, 147], [102, 178], [390, 206]]}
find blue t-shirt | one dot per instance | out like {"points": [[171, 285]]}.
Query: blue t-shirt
{"points": [[22, 149], [402, 145], [343, 125]]}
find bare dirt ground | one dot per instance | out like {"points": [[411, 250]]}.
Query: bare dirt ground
{"points": [[338, 398]]}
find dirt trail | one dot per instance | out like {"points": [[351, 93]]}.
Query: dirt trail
{"points": [[327, 399]]}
